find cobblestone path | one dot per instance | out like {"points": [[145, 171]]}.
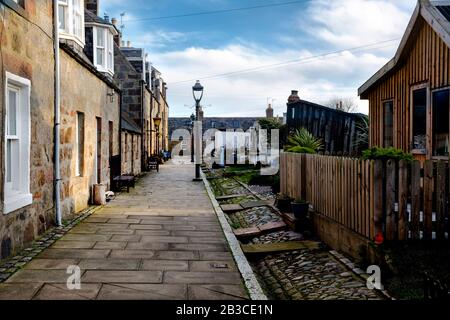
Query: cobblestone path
{"points": [[160, 241]]}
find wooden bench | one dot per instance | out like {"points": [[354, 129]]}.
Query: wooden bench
{"points": [[153, 164], [124, 181]]}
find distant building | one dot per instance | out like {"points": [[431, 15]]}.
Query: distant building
{"points": [[337, 129]]}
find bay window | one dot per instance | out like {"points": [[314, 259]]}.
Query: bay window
{"points": [[103, 49], [71, 20], [17, 144]]}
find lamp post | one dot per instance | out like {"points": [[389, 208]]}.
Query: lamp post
{"points": [[192, 137], [197, 92], [157, 122]]}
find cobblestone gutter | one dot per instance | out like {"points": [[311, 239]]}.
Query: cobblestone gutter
{"points": [[309, 274], [12, 265]]}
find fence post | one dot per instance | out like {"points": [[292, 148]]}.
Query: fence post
{"points": [[390, 200], [415, 200], [378, 197], [402, 200], [441, 199], [428, 199]]}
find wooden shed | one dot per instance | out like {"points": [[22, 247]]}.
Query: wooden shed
{"points": [[409, 98]]}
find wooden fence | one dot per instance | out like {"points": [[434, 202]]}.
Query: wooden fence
{"points": [[399, 200]]}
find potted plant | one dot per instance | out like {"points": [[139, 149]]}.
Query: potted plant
{"points": [[300, 208], [283, 202]]}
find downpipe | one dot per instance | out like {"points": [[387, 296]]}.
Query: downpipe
{"points": [[57, 111]]}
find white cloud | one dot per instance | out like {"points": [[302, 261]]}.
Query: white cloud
{"points": [[332, 24], [347, 23]]}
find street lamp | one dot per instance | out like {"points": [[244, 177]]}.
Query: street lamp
{"points": [[192, 137], [197, 92], [157, 123]]}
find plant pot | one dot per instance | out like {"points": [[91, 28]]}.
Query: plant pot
{"points": [[300, 210], [284, 204]]}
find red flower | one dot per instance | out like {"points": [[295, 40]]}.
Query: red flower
{"points": [[379, 239]]}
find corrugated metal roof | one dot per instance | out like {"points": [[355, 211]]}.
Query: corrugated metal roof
{"points": [[445, 10]]}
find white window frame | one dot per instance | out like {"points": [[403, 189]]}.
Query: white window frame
{"points": [[69, 31], [108, 49], [17, 193]]}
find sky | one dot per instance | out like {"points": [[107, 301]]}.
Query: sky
{"points": [[247, 58]]}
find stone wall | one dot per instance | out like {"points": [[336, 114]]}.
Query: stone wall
{"points": [[82, 91], [27, 51], [131, 152]]}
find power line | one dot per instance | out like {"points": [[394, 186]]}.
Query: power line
{"points": [[203, 13], [288, 62]]}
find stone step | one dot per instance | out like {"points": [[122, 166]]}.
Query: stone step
{"points": [[245, 233], [220, 198], [230, 208], [280, 247]]}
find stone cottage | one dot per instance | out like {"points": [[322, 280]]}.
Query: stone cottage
{"points": [[90, 107], [90, 114], [27, 100]]}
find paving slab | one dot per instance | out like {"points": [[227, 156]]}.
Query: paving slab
{"points": [[165, 265], [216, 292], [160, 241], [213, 266], [131, 254], [18, 291], [73, 254], [57, 291], [109, 264], [118, 291], [120, 276], [202, 277], [51, 264]]}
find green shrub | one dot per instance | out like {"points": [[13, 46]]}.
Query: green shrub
{"points": [[377, 153], [303, 142]]}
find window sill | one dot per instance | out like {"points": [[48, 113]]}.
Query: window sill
{"points": [[68, 36], [419, 151], [16, 202]]}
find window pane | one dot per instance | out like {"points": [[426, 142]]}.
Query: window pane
{"points": [[388, 124], [100, 38], [100, 53], [419, 118], [12, 113], [441, 100], [8, 161], [62, 17]]}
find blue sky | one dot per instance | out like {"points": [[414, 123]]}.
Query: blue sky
{"points": [[194, 47]]}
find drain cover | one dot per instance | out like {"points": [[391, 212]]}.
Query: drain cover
{"points": [[219, 265]]}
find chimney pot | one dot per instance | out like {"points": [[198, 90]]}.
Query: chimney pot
{"points": [[114, 21], [294, 97], [122, 44], [129, 44]]}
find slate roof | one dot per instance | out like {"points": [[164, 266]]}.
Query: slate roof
{"points": [[129, 124], [91, 17]]}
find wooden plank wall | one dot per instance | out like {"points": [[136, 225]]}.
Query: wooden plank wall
{"points": [[337, 129], [427, 62], [397, 199]]}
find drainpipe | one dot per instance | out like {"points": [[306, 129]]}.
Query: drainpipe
{"points": [[57, 114]]}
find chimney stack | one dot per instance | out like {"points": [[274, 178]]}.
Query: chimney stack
{"points": [[269, 112], [92, 5], [129, 44], [294, 97]]}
